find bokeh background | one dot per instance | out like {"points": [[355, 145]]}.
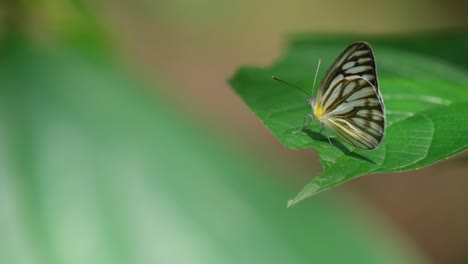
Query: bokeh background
{"points": [[121, 142]]}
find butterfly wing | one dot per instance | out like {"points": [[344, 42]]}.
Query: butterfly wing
{"points": [[353, 109], [355, 60]]}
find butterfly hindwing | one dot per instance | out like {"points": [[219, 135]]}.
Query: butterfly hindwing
{"points": [[353, 109]]}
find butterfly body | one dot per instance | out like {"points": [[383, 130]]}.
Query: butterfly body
{"points": [[348, 100]]}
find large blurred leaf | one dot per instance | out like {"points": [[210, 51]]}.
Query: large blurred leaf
{"points": [[95, 168], [426, 98]]}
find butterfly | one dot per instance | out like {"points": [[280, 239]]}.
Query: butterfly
{"points": [[348, 100]]}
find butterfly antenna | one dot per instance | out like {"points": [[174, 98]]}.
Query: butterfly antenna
{"points": [[316, 73], [279, 80]]}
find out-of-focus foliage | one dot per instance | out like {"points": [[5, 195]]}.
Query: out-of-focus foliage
{"points": [[97, 167], [424, 89]]}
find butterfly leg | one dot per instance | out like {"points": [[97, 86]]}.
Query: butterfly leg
{"points": [[326, 134], [329, 141], [321, 130], [306, 122]]}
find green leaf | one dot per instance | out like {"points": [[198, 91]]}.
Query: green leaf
{"points": [[425, 95]]}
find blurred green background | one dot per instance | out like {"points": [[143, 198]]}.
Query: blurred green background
{"points": [[120, 141]]}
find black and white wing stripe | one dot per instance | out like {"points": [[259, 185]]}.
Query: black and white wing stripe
{"points": [[356, 60], [353, 109]]}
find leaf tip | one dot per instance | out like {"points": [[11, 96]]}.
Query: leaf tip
{"points": [[309, 190], [291, 203]]}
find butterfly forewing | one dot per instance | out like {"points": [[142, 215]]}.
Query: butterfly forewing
{"points": [[353, 109], [356, 60]]}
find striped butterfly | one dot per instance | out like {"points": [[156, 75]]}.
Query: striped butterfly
{"points": [[348, 100]]}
